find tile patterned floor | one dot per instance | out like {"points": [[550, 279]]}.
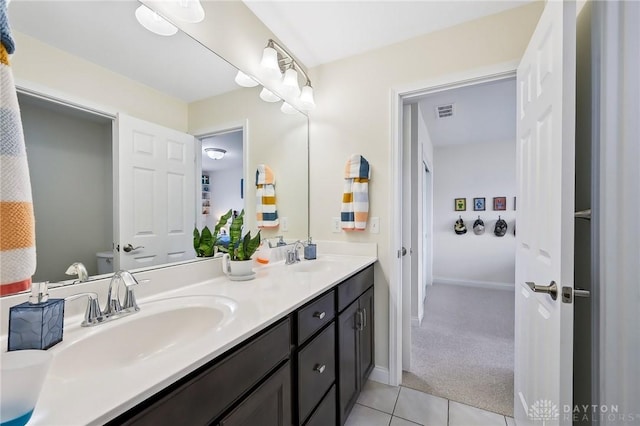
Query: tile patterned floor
{"points": [[383, 405]]}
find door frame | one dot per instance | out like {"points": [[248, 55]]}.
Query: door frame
{"points": [[397, 97]]}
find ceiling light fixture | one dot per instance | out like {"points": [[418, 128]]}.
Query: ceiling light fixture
{"points": [[154, 22], [215, 153], [275, 61]]}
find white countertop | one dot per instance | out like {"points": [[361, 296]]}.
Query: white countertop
{"points": [[101, 395]]}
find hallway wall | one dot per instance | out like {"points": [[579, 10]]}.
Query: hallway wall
{"points": [[469, 171]]}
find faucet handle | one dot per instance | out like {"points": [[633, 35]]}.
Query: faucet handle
{"points": [[93, 314]]}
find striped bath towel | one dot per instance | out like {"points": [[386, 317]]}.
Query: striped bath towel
{"points": [[355, 199], [17, 226], [266, 213]]}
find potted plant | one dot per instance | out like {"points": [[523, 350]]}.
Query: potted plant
{"points": [[205, 243], [236, 262]]}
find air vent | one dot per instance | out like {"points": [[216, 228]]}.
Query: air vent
{"points": [[444, 111]]}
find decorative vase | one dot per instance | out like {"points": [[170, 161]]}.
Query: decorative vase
{"points": [[237, 268]]}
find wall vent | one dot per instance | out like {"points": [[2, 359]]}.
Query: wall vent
{"points": [[444, 111]]}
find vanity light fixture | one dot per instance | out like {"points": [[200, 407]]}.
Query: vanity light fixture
{"points": [[245, 80], [268, 96], [185, 10], [290, 85], [154, 22], [270, 63], [215, 153], [275, 61]]}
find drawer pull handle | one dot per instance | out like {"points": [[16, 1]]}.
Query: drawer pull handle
{"points": [[319, 368], [319, 315]]}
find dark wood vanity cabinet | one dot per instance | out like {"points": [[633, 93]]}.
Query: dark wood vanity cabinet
{"points": [[355, 340], [307, 369]]}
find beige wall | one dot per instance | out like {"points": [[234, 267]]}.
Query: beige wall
{"points": [[43, 68], [353, 116]]}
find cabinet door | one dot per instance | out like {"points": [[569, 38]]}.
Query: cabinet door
{"points": [[325, 414], [348, 359], [269, 405], [366, 335]]}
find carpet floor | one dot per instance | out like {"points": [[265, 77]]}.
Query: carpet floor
{"points": [[463, 350]]}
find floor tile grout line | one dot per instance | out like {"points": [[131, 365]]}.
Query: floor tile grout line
{"points": [[379, 411], [395, 404]]}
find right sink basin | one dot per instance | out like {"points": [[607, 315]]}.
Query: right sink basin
{"points": [[306, 266]]}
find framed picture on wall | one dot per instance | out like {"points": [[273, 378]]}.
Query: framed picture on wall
{"points": [[460, 204], [499, 203], [479, 204]]}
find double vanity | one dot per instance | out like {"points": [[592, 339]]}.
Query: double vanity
{"points": [[292, 346]]}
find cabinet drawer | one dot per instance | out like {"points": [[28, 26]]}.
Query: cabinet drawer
{"points": [[202, 398], [316, 371], [353, 287], [325, 414], [312, 317]]}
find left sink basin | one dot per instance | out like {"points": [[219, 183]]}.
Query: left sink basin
{"points": [[159, 326]]}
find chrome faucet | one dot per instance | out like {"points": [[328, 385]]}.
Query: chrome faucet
{"points": [[114, 309], [292, 255], [129, 305], [78, 269]]}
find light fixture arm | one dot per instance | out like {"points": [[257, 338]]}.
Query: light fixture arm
{"points": [[285, 60]]}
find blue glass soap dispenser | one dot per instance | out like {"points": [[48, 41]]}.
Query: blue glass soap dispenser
{"points": [[36, 324]]}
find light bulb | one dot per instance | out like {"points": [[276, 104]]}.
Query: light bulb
{"points": [[245, 80], [154, 22], [306, 98], [269, 63], [268, 96], [290, 83]]}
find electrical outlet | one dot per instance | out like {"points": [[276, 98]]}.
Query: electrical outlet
{"points": [[375, 225], [284, 224], [335, 222]]}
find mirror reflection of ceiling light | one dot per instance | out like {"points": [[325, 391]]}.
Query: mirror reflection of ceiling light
{"points": [[154, 22], [245, 80], [215, 153], [268, 96]]}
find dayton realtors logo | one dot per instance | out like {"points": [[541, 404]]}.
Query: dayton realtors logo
{"points": [[543, 410]]}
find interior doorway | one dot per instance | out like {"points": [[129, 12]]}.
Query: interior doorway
{"points": [[465, 331], [221, 167]]}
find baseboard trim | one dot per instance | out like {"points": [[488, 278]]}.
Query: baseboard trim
{"points": [[415, 322], [380, 375], [478, 284]]}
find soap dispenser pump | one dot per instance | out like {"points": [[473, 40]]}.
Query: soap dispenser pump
{"points": [[38, 323]]}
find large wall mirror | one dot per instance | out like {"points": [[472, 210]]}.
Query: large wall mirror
{"points": [[83, 68]]}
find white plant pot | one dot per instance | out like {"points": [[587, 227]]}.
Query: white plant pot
{"points": [[236, 268]]}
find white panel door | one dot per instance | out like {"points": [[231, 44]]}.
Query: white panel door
{"points": [[155, 200], [544, 219]]}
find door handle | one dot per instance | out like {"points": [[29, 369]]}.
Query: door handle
{"points": [[551, 289], [129, 248], [402, 252], [364, 318]]}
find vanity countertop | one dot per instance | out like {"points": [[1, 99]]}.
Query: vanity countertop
{"points": [[276, 291]]}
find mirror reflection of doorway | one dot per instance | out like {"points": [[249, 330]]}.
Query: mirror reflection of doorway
{"points": [[222, 179]]}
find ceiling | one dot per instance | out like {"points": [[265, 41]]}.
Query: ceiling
{"points": [[102, 31], [482, 113], [321, 31]]}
